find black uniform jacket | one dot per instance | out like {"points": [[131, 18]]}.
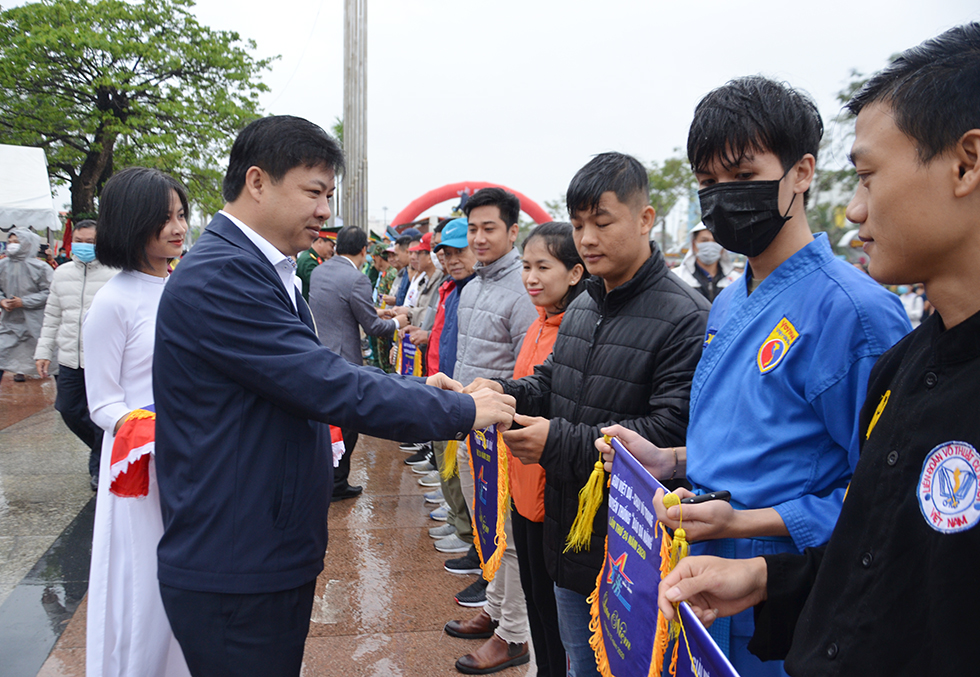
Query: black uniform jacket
{"points": [[895, 591], [624, 357]]}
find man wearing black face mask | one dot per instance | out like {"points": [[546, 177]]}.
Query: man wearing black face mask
{"points": [[788, 349]]}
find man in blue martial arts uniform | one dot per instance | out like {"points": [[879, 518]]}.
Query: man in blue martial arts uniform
{"points": [[787, 353]]}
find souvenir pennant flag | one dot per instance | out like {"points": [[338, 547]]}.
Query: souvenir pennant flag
{"points": [[408, 361], [703, 657], [488, 463], [337, 445], [131, 451], [625, 616]]}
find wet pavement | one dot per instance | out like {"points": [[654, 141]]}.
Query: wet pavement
{"points": [[381, 601]]}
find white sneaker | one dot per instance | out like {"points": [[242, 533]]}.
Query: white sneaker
{"points": [[452, 544], [423, 469], [431, 479], [445, 531], [440, 514], [434, 496]]}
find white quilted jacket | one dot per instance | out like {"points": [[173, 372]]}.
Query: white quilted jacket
{"points": [[72, 289]]}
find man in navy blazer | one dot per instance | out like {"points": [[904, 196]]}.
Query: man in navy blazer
{"points": [[243, 389]]}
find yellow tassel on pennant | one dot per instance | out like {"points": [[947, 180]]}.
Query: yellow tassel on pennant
{"points": [[137, 414], [417, 364], [672, 550], [662, 639], [589, 500], [398, 352], [450, 463]]}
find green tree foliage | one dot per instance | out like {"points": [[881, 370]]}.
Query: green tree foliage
{"points": [[669, 182], [105, 84], [835, 181], [557, 209]]}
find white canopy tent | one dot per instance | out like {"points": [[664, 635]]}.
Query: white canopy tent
{"points": [[25, 191]]}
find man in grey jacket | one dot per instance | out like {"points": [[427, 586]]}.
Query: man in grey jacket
{"points": [[72, 289], [340, 299], [494, 314]]}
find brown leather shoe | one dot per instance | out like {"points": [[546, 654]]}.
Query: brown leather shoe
{"points": [[478, 627], [493, 656]]}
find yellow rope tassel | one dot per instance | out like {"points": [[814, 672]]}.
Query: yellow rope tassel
{"points": [[450, 463], [137, 414], [662, 639], [672, 551], [589, 500]]}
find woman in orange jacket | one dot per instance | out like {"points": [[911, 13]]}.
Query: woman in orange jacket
{"points": [[553, 276]]}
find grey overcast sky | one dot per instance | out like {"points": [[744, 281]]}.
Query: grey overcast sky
{"points": [[523, 93]]}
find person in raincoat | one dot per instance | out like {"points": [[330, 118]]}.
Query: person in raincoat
{"points": [[24, 284]]}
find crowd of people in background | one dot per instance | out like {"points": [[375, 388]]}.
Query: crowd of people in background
{"points": [[753, 366]]}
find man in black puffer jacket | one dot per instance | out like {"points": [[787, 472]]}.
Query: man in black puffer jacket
{"points": [[626, 352]]}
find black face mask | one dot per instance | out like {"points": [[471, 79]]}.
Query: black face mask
{"points": [[743, 216]]}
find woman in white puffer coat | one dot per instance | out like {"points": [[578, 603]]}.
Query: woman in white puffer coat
{"points": [[72, 289]]}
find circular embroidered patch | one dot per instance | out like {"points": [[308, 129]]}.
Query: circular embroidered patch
{"points": [[949, 495]]}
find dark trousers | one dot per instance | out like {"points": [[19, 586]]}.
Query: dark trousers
{"points": [[72, 403], [227, 635], [539, 595], [342, 471]]}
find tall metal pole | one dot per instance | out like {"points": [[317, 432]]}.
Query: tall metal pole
{"points": [[354, 203]]}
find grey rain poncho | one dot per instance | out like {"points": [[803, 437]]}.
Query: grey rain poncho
{"points": [[27, 277]]}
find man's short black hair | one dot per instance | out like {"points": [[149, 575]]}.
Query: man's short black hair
{"points": [[351, 240], [441, 225], [933, 89], [753, 114], [277, 144], [507, 203], [404, 241], [617, 172], [133, 209], [85, 223]]}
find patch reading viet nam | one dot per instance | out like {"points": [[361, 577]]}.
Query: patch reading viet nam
{"points": [[948, 493], [776, 345]]}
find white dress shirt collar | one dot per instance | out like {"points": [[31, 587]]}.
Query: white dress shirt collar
{"points": [[285, 266]]}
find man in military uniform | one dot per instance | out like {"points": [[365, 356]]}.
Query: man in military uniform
{"points": [[322, 249]]}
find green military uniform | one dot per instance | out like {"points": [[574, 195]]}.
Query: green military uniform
{"points": [[305, 263]]}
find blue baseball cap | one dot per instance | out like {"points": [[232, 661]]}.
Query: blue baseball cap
{"points": [[454, 234]]}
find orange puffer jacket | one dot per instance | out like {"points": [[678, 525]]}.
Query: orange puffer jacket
{"points": [[527, 481]]}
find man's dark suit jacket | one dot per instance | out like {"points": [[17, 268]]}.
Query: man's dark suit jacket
{"points": [[340, 298], [242, 387]]}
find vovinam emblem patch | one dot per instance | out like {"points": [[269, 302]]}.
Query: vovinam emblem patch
{"points": [[777, 344], [949, 496]]}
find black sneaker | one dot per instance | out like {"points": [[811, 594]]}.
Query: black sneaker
{"points": [[467, 564], [473, 596], [421, 457], [410, 447]]}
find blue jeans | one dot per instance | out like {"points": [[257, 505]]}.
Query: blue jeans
{"points": [[574, 615]]}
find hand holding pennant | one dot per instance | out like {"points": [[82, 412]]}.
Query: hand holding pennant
{"points": [[638, 553], [491, 500]]}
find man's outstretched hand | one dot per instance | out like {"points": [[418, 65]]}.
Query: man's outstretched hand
{"points": [[440, 380], [493, 408], [714, 587]]}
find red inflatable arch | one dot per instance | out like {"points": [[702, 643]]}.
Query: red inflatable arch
{"points": [[454, 190]]}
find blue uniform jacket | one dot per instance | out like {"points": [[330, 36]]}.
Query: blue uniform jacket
{"points": [[242, 388], [777, 393], [449, 337]]}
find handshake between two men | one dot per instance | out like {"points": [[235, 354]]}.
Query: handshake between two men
{"points": [[492, 406]]}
